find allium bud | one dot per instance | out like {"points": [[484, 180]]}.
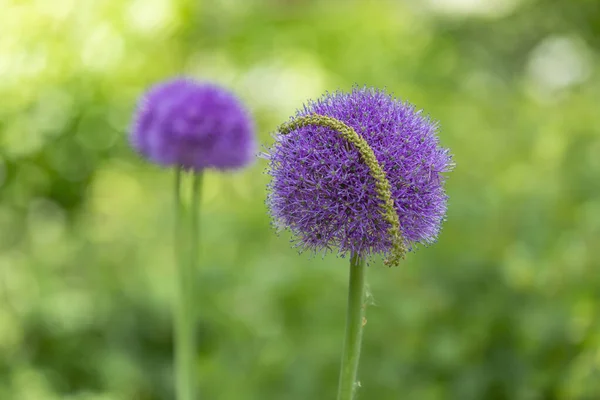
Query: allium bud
{"points": [[183, 123], [361, 172]]}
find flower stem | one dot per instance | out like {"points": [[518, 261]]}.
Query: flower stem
{"points": [[354, 328], [186, 245]]}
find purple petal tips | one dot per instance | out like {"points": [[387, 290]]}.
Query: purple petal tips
{"points": [[194, 126], [330, 192]]}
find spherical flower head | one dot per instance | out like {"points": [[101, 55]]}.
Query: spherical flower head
{"points": [[194, 126], [361, 172]]}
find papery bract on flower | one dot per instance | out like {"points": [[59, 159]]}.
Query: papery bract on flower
{"points": [[193, 125], [324, 192]]}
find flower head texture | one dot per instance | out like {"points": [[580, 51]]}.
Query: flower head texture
{"points": [[194, 126], [354, 170]]}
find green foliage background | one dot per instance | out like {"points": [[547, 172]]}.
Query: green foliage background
{"points": [[504, 306]]}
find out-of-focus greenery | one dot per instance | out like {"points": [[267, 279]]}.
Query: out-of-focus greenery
{"points": [[505, 306]]}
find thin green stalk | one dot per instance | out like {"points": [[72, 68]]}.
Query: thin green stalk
{"points": [[354, 328], [186, 247]]}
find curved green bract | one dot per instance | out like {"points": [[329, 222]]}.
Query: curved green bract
{"points": [[382, 185]]}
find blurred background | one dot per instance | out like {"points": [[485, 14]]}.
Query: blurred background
{"points": [[504, 306]]}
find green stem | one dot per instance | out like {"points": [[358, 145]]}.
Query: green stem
{"points": [[187, 239], [354, 328]]}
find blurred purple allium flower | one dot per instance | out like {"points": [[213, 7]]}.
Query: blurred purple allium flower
{"points": [[324, 190], [193, 125]]}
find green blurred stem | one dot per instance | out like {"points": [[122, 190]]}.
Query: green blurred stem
{"points": [[355, 320], [186, 247]]}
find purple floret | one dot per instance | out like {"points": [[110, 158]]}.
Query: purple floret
{"points": [[323, 192], [193, 125]]}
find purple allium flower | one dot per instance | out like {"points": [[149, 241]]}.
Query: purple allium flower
{"points": [[193, 125], [325, 190]]}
